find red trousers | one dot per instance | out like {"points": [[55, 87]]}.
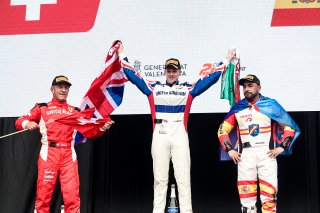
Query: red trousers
{"points": [[54, 162]]}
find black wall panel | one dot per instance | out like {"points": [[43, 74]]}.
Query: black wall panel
{"points": [[116, 169]]}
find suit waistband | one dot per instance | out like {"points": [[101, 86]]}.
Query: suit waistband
{"points": [[255, 144], [159, 121], [59, 144]]}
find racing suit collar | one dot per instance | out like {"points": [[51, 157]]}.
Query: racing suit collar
{"points": [[174, 83], [60, 103], [253, 103]]}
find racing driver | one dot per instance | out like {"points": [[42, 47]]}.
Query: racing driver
{"points": [[170, 105], [57, 154], [266, 130]]}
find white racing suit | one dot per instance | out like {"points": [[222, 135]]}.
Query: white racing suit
{"points": [[170, 106], [255, 132], [255, 166]]}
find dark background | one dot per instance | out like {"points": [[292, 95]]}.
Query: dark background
{"points": [[116, 169]]}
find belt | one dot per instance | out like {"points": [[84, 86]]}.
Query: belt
{"points": [[246, 145], [159, 121], [59, 145]]}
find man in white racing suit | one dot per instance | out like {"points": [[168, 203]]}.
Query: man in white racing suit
{"points": [[257, 120], [170, 105]]}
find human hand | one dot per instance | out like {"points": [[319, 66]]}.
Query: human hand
{"points": [[107, 125], [231, 54], [31, 125], [273, 153], [235, 156], [120, 49]]}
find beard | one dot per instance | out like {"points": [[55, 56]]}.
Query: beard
{"points": [[251, 96]]}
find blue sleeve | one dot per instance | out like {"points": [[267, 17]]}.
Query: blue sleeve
{"points": [[136, 80], [203, 84]]}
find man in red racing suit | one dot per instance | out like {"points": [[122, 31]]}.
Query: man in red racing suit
{"points": [[57, 154]]}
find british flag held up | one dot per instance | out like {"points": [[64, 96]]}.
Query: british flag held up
{"points": [[106, 91]]}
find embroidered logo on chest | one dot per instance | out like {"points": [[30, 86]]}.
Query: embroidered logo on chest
{"points": [[254, 130]]}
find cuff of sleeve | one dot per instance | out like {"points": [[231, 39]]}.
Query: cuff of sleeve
{"points": [[24, 123], [283, 146], [228, 145], [228, 149], [286, 143]]}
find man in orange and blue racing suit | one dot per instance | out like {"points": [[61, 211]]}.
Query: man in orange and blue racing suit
{"points": [[257, 120]]}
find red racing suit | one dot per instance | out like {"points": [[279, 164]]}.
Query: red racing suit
{"points": [[57, 154]]}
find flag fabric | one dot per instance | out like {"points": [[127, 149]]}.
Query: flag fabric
{"points": [[47, 16], [83, 121], [106, 91], [273, 110], [230, 89], [296, 13]]}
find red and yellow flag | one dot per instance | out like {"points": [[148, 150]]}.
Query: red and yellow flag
{"points": [[296, 13]]}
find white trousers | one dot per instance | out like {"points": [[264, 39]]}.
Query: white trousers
{"points": [[171, 144], [257, 167]]}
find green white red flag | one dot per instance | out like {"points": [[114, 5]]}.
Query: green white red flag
{"points": [[230, 88]]}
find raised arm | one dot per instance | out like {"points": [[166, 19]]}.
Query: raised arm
{"points": [[131, 74], [206, 82]]}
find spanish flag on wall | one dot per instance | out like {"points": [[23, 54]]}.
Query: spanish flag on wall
{"points": [[296, 13]]}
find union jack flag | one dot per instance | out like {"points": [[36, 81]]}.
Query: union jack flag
{"points": [[106, 91]]}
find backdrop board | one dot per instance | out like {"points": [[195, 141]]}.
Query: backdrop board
{"points": [[278, 41], [116, 169], [38, 43]]}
